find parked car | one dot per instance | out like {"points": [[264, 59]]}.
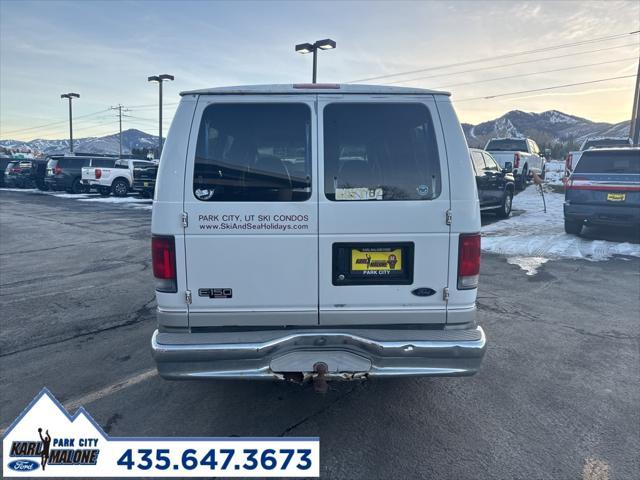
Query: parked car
{"points": [[89, 173], [593, 142], [17, 174], [495, 185], [4, 161], [116, 180], [604, 188], [65, 172], [144, 178], [266, 270], [524, 154]]}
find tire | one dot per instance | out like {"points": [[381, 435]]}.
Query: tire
{"points": [[104, 191], [521, 182], [120, 187], [572, 227], [76, 186], [42, 186], [507, 202]]}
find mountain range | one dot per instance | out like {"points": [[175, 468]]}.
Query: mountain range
{"points": [[551, 129], [131, 139]]}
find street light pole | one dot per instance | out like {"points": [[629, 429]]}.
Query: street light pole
{"points": [[70, 96], [160, 79], [326, 44]]}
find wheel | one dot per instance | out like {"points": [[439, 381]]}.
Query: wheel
{"points": [[120, 187], [572, 227], [505, 210], [42, 186], [521, 182], [104, 191], [76, 186]]}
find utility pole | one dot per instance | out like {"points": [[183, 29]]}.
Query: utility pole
{"points": [[634, 132], [160, 79], [70, 96], [119, 108]]}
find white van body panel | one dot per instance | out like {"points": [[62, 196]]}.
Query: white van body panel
{"points": [[422, 222], [167, 208], [465, 206], [287, 312], [273, 274]]}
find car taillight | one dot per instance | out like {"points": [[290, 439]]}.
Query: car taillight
{"points": [[16, 170], [98, 173], [468, 261], [57, 170], [163, 258], [516, 160]]}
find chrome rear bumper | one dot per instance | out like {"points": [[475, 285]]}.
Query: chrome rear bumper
{"points": [[272, 354]]}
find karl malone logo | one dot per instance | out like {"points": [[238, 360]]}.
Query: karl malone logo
{"points": [[63, 453], [45, 438]]}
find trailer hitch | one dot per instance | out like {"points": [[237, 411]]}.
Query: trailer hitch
{"points": [[320, 384]]}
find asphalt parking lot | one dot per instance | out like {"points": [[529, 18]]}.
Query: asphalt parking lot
{"points": [[557, 396]]}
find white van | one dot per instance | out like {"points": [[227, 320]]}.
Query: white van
{"points": [[316, 231]]}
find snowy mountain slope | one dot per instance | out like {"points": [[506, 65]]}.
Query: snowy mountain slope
{"points": [[547, 127], [131, 138]]}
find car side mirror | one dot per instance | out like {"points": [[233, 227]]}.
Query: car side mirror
{"points": [[508, 167]]}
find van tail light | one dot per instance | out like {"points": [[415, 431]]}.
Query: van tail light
{"points": [[468, 261], [57, 170], [98, 173], [163, 258], [516, 160]]}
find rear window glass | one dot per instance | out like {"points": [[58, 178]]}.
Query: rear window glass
{"points": [[73, 162], [102, 162], [624, 162], [380, 152], [254, 152], [606, 142], [506, 145]]}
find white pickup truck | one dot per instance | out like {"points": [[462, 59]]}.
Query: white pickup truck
{"points": [[572, 157], [522, 153], [117, 180]]}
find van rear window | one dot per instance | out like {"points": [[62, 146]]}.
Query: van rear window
{"points": [[380, 151], [603, 161], [257, 152]]}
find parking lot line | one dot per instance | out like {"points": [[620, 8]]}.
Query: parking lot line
{"points": [[73, 405]]}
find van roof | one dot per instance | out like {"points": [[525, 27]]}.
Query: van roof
{"points": [[319, 88]]}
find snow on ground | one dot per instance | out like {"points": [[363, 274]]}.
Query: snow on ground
{"points": [[554, 171], [531, 238]]}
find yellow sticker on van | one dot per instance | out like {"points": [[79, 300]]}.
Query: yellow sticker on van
{"points": [[369, 259]]}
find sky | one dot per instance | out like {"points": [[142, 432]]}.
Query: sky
{"points": [[106, 50]]}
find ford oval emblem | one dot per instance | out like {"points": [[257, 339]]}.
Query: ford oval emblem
{"points": [[23, 465], [423, 292]]}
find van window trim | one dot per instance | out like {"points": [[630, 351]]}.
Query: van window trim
{"points": [[404, 100], [232, 100]]}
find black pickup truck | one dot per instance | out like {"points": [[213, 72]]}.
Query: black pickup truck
{"points": [[144, 178]]}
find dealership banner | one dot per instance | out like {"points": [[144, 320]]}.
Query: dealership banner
{"points": [[46, 441]]}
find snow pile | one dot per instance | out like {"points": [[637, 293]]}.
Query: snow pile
{"points": [[534, 237], [134, 202], [554, 172]]}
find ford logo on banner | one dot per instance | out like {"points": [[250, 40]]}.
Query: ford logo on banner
{"points": [[23, 465]]}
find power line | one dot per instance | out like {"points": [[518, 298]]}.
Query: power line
{"points": [[489, 97], [508, 55], [492, 67], [522, 75], [11, 132]]}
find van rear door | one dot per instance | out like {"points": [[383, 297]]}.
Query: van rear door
{"points": [[251, 236], [383, 235]]}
